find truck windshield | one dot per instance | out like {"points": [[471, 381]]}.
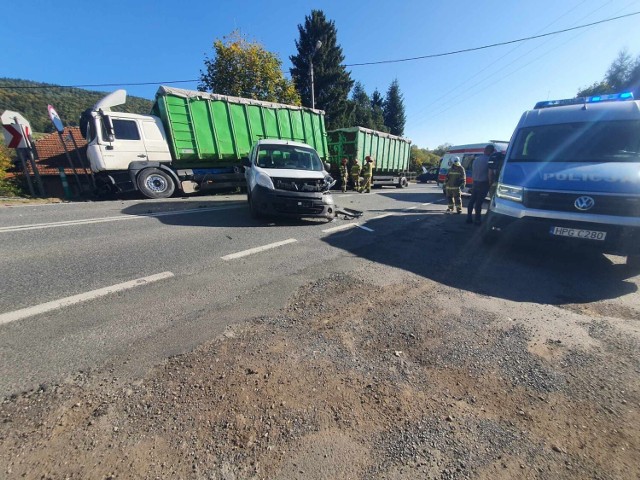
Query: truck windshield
{"points": [[288, 157], [607, 141]]}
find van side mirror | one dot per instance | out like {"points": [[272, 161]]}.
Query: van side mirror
{"points": [[327, 166], [246, 162]]}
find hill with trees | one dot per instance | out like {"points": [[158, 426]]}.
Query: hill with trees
{"points": [[31, 100]]}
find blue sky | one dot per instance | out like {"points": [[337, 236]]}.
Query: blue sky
{"points": [[466, 98]]}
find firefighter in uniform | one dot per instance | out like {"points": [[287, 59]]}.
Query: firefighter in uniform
{"points": [[367, 173], [455, 180], [344, 174], [355, 174]]}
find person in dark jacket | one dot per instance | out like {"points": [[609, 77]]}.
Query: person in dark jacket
{"points": [[480, 188], [455, 180]]}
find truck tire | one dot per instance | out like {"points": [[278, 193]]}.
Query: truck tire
{"points": [[154, 183], [404, 183]]}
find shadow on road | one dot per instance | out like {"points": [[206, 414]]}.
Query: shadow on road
{"points": [[447, 250], [214, 213]]}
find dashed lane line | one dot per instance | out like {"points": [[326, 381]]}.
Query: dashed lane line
{"points": [[68, 223], [251, 251], [82, 297]]}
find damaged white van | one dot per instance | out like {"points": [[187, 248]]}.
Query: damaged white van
{"points": [[286, 178]]}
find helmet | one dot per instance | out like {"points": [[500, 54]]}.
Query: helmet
{"points": [[368, 158], [456, 161]]}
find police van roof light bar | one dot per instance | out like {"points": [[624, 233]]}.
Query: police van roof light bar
{"points": [[612, 97]]}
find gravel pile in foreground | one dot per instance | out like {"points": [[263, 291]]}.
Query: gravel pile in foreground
{"points": [[353, 381]]}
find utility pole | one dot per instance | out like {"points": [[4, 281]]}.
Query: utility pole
{"points": [[313, 93]]}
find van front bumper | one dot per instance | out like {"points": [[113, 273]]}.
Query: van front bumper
{"points": [[622, 233], [293, 204]]}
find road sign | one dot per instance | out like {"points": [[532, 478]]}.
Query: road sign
{"points": [[55, 119], [16, 129], [12, 136]]}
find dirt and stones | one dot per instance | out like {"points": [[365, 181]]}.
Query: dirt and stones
{"points": [[400, 379]]}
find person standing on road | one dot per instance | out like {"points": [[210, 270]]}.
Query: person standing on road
{"points": [[344, 174], [480, 174], [355, 175], [367, 173], [455, 180]]}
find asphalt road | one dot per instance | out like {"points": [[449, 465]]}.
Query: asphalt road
{"points": [[219, 266]]}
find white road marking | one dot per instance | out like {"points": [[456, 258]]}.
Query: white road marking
{"points": [[410, 208], [67, 223], [251, 251], [365, 228], [340, 227], [382, 216], [82, 297]]}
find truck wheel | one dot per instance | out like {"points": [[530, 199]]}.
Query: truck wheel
{"points": [[404, 183], [154, 183]]}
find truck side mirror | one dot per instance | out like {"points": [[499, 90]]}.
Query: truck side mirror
{"points": [[246, 162]]}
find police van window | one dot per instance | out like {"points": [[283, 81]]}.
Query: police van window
{"points": [[610, 141], [125, 130]]}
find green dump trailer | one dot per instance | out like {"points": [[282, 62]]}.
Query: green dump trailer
{"points": [[391, 153], [206, 128], [191, 141]]}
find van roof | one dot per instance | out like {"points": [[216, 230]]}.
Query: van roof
{"points": [[470, 147], [591, 112]]}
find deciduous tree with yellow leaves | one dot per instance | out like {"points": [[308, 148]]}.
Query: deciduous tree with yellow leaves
{"points": [[244, 68]]}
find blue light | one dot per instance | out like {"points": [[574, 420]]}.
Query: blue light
{"points": [[611, 97]]}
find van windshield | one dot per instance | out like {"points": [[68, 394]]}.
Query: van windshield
{"points": [[289, 157], [610, 141]]}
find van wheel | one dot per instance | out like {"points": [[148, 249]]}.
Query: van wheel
{"points": [[633, 261], [489, 235], [154, 183], [255, 213]]}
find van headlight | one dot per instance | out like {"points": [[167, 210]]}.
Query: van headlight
{"points": [[509, 192], [265, 181]]}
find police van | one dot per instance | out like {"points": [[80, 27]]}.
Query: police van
{"points": [[467, 154], [572, 173]]}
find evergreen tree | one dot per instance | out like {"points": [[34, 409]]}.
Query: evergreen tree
{"points": [[332, 81], [394, 116], [362, 113], [377, 111]]}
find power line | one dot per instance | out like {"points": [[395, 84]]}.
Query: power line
{"points": [[474, 49], [422, 57]]}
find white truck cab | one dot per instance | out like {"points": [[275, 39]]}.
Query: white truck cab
{"points": [[289, 179], [127, 149]]}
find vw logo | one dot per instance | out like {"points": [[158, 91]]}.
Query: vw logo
{"points": [[584, 203]]}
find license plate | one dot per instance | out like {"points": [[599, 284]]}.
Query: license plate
{"points": [[578, 233]]}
